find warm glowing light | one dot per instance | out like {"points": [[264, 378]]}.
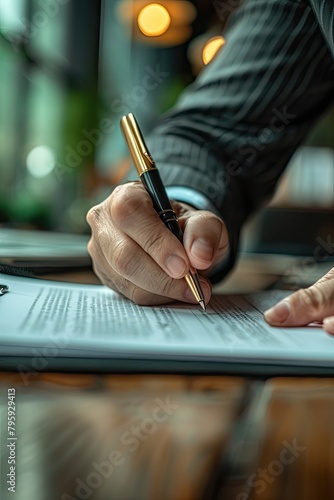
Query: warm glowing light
{"points": [[154, 20], [211, 48], [181, 14], [41, 161]]}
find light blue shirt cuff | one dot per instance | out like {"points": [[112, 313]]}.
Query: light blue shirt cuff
{"points": [[192, 197]]}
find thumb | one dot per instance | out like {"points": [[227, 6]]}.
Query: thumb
{"points": [[205, 238], [306, 305]]}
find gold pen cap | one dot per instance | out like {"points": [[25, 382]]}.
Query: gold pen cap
{"points": [[136, 144]]}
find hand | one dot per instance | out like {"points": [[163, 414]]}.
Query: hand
{"points": [[136, 255], [315, 303]]}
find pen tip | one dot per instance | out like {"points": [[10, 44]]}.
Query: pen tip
{"points": [[202, 304]]}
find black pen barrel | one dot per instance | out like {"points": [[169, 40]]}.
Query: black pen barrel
{"points": [[154, 186]]}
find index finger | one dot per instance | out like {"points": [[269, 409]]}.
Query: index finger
{"points": [[306, 305]]}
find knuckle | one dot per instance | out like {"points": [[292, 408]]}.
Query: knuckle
{"points": [[154, 240], [312, 299], [94, 215], [117, 191], [124, 260], [120, 285], [217, 226], [205, 215], [91, 248], [328, 276], [208, 222], [128, 200], [166, 286]]}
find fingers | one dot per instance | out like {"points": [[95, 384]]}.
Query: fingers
{"points": [[129, 267], [133, 273], [205, 239], [139, 295], [315, 303], [133, 213], [123, 286]]}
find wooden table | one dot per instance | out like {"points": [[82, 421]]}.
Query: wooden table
{"points": [[169, 437]]}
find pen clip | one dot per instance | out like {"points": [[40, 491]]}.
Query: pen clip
{"points": [[149, 158], [142, 159]]}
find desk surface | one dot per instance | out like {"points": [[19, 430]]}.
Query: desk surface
{"points": [[175, 438]]}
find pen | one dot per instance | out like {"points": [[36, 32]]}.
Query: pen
{"points": [[150, 177]]}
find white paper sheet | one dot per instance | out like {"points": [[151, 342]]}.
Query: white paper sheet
{"points": [[68, 320]]}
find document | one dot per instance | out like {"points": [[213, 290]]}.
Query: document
{"points": [[60, 321]]}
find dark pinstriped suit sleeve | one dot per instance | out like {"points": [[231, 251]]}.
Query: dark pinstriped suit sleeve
{"points": [[324, 11], [234, 130]]}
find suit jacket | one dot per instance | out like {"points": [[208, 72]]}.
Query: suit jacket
{"points": [[324, 11], [235, 128]]}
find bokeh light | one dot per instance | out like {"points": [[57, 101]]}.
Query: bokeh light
{"points": [[41, 161], [154, 20], [211, 48]]}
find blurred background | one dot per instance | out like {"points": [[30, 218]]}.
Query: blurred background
{"points": [[71, 68]]}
